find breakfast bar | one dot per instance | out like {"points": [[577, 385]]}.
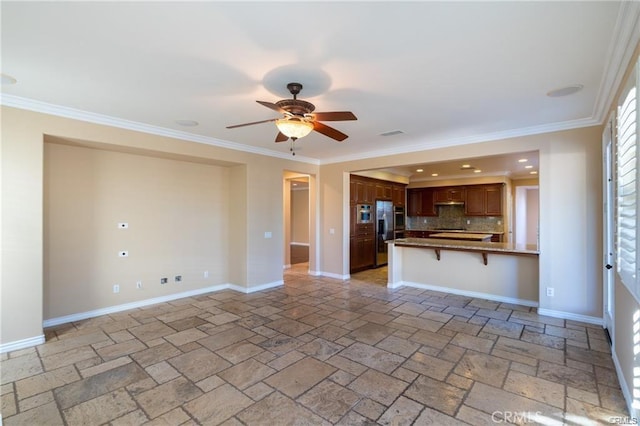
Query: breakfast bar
{"points": [[505, 272]]}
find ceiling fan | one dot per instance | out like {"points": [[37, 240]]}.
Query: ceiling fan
{"points": [[299, 119]]}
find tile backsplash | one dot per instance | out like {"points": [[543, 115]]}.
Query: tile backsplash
{"points": [[452, 217]]}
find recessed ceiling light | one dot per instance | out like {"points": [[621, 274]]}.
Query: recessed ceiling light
{"points": [[466, 166], [295, 184], [522, 160], [187, 123], [419, 170], [434, 174], [533, 172], [7, 80], [565, 91], [528, 167], [477, 171]]}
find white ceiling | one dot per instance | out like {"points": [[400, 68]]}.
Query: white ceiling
{"points": [[444, 73]]}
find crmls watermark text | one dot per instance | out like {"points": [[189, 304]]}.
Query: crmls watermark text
{"points": [[623, 420], [514, 417]]}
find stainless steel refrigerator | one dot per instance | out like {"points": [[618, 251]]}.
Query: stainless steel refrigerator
{"points": [[384, 230]]}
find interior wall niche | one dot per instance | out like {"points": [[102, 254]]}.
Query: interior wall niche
{"points": [[176, 218]]}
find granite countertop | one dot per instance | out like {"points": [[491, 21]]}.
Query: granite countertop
{"points": [[479, 246], [462, 236], [465, 231]]}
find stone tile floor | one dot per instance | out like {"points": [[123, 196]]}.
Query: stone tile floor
{"points": [[316, 351]]}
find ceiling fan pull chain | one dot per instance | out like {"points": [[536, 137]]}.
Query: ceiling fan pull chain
{"points": [[292, 149]]}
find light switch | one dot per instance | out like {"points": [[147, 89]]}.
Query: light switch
{"points": [[267, 234], [332, 231]]}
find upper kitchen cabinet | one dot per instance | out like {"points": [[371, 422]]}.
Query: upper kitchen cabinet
{"points": [[420, 202], [398, 196], [384, 191], [483, 200], [365, 191], [450, 194], [494, 200]]}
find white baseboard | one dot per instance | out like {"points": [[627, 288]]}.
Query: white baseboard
{"points": [[315, 273], [133, 305], [570, 316], [261, 287], [633, 413], [22, 344], [299, 244], [474, 294], [141, 303], [336, 276]]}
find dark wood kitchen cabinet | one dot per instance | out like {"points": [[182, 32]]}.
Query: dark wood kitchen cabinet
{"points": [[421, 202], [450, 194], [362, 237], [484, 200], [494, 200], [398, 195], [362, 248], [365, 191], [384, 191]]}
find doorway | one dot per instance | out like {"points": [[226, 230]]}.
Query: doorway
{"points": [[607, 228], [526, 215], [298, 211]]}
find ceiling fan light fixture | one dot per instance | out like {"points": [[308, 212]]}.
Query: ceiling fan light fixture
{"points": [[294, 127]]}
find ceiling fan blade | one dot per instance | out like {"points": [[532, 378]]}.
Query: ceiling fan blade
{"points": [[272, 106], [281, 137], [250, 124], [329, 131], [334, 116]]}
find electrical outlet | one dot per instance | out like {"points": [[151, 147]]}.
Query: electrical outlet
{"points": [[116, 288], [468, 222], [178, 278], [206, 274], [164, 280], [138, 285], [550, 292], [268, 234], [123, 253]]}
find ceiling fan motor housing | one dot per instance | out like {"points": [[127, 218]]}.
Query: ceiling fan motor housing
{"points": [[296, 106]]}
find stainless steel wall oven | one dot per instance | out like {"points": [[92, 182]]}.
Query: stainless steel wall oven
{"points": [[364, 213]]}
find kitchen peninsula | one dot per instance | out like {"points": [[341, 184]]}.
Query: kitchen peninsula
{"points": [[504, 272]]}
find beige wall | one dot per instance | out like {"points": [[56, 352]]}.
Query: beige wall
{"points": [[255, 206], [21, 230], [177, 215]]}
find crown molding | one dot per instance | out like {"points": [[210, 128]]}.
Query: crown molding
{"points": [[625, 38], [487, 137], [90, 117]]}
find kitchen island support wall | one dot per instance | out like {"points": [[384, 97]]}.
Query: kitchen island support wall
{"points": [[509, 278]]}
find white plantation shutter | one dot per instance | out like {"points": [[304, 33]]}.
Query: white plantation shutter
{"points": [[627, 187]]}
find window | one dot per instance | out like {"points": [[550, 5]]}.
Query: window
{"points": [[627, 187]]}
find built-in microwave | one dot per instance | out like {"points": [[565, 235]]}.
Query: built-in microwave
{"points": [[364, 213], [398, 222]]}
